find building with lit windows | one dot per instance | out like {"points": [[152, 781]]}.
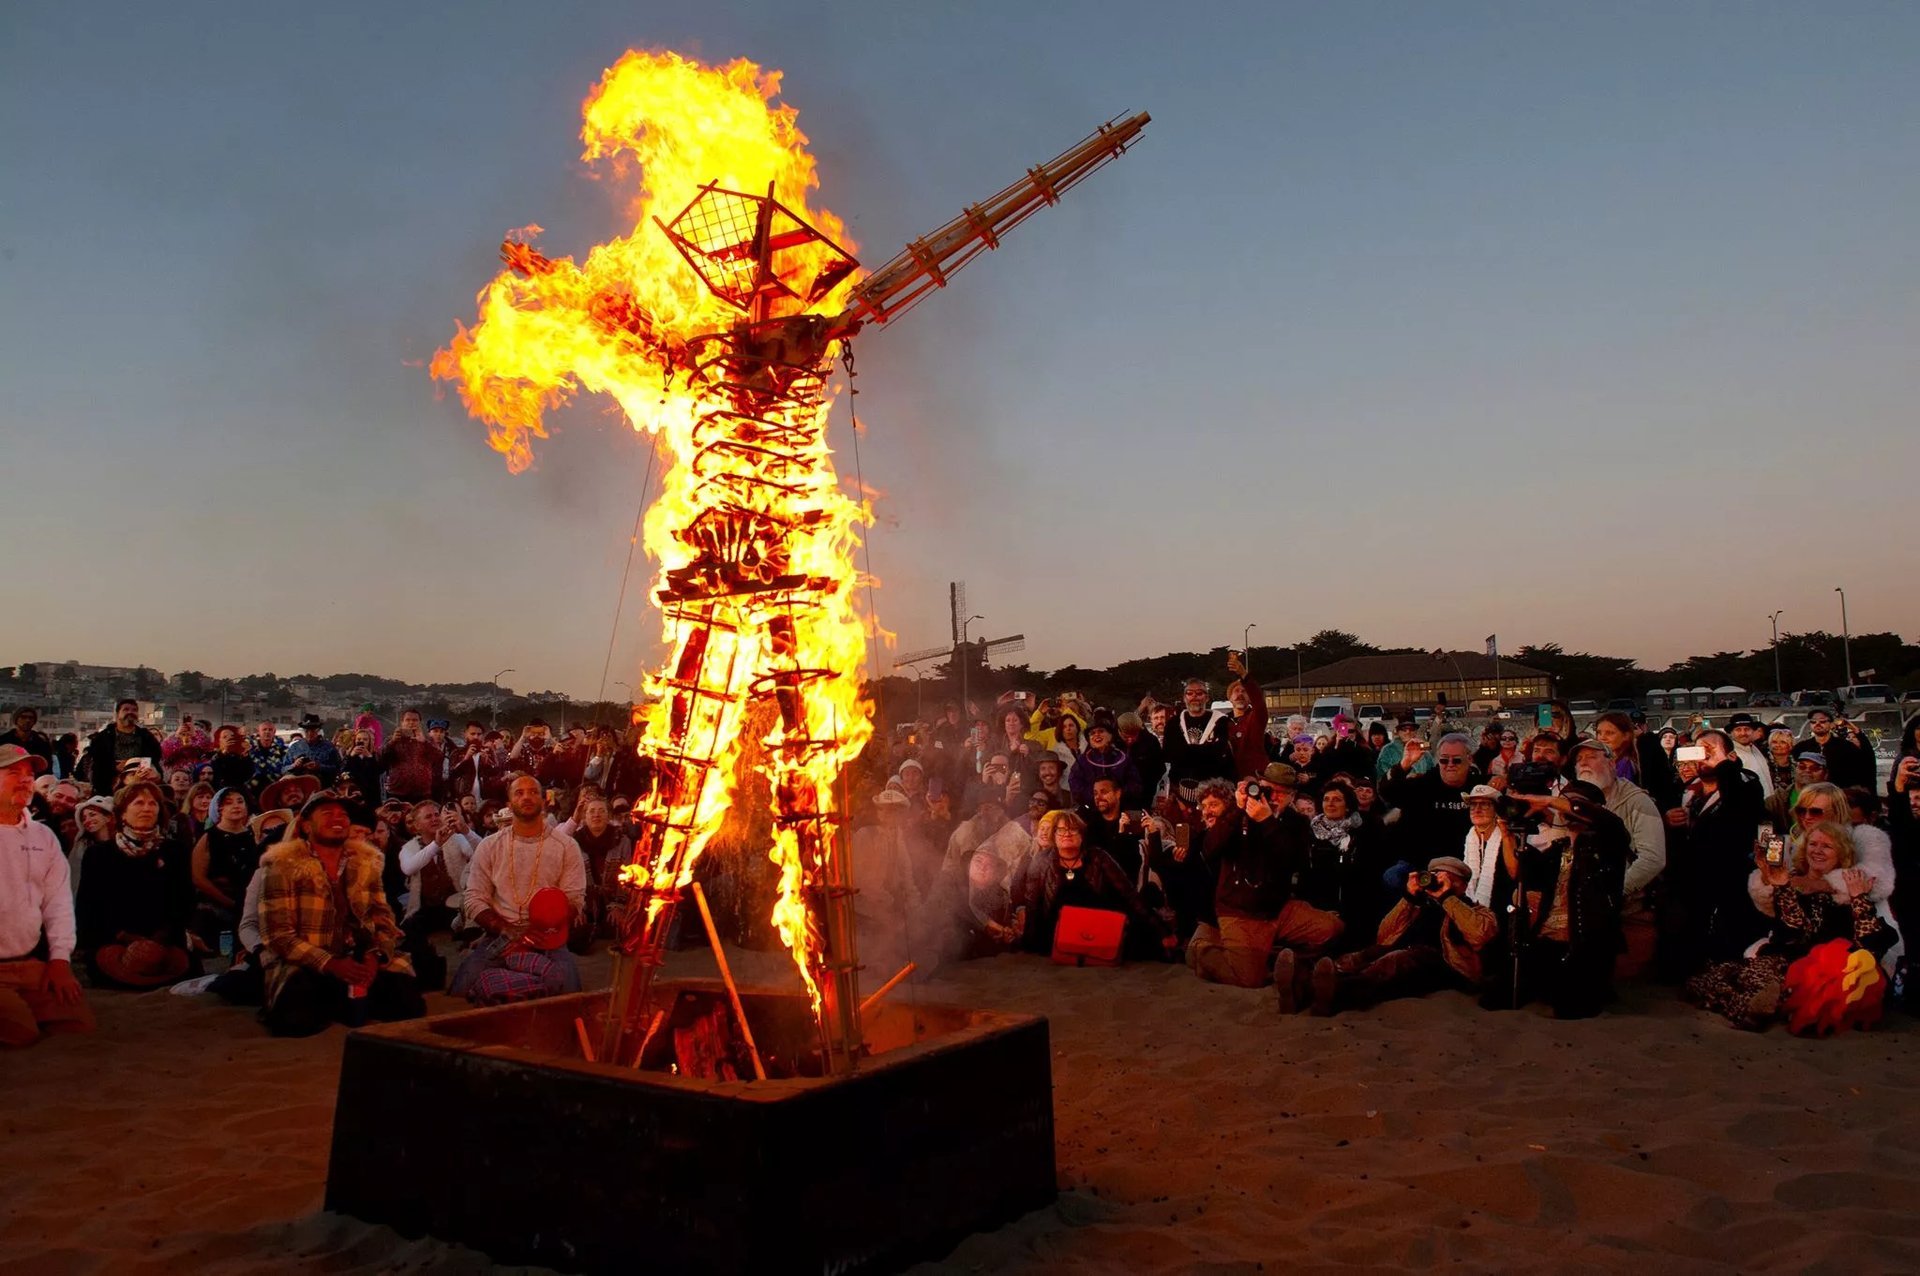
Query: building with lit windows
{"points": [[1408, 681]]}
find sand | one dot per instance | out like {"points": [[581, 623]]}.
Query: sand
{"points": [[1197, 1132]]}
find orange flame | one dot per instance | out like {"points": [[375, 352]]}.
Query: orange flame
{"points": [[626, 322]]}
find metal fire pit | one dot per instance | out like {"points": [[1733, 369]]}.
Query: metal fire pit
{"points": [[486, 1127]]}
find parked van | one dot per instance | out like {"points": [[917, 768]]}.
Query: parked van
{"points": [[1866, 693], [1327, 708]]}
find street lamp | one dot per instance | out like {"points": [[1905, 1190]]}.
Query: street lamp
{"points": [[496, 696], [966, 659], [1846, 639], [1779, 687]]}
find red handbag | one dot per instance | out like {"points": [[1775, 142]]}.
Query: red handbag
{"points": [[1088, 937]]}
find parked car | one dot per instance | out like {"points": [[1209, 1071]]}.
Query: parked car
{"points": [[1327, 708], [1865, 693], [1623, 704], [1583, 706]]}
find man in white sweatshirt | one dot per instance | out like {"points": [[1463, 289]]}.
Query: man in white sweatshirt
{"points": [[38, 992], [1593, 762]]}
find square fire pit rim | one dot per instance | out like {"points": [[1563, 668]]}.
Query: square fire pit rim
{"points": [[430, 1035]]}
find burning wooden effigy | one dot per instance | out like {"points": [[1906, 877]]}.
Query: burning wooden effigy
{"points": [[717, 329]]}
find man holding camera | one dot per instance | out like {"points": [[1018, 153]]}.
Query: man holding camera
{"points": [[1431, 939], [1257, 845], [1562, 888]]}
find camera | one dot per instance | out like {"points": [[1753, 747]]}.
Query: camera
{"points": [[1534, 778], [1259, 790], [1428, 879], [1512, 810]]}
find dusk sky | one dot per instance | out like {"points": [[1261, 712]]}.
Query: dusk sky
{"points": [[1591, 324]]}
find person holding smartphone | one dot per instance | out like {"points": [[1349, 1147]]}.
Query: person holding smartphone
{"points": [[1710, 852]]}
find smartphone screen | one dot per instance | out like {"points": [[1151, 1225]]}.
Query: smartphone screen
{"points": [[1544, 716]]}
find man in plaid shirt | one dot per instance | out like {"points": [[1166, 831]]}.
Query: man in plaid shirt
{"points": [[332, 947]]}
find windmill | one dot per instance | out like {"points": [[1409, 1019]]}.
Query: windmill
{"points": [[964, 650]]}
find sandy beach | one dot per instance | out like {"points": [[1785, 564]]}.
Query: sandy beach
{"points": [[1197, 1132]]}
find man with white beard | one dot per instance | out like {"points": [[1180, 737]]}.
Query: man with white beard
{"points": [[1647, 834]]}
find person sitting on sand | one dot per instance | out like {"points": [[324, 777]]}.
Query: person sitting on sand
{"points": [[531, 963], [1431, 939], [1807, 910], [1077, 875], [224, 858], [1258, 847], [332, 946], [38, 993], [137, 895], [518, 860], [1571, 875]]}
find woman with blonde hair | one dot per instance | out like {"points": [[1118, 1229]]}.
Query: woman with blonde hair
{"points": [[1807, 911], [1817, 806]]}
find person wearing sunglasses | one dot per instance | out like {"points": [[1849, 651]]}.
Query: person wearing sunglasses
{"points": [[1433, 807], [1783, 808], [1818, 894], [1821, 804], [1847, 761]]}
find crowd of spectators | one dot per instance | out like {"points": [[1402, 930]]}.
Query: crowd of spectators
{"points": [[330, 878], [310, 878], [1524, 860]]}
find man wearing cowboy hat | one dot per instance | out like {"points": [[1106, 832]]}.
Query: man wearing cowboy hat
{"points": [[289, 792], [25, 719], [314, 754], [38, 993], [324, 964], [120, 741]]}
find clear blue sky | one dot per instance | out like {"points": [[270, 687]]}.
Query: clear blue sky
{"points": [[1423, 321]]}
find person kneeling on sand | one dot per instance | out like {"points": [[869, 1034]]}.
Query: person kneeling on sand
{"points": [[332, 947], [38, 993], [1257, 849], [1075, 875], [1432, 939], [512, 866]]}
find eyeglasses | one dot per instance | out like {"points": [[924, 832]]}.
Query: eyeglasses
{"points": [[1821, 811], [1509, 739], [1452, 761]]}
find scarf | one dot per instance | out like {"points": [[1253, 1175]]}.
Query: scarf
{"points": [[1340, 832], [139, 845]]}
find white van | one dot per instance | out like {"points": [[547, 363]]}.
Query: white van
{"points": [[1327, 708]]}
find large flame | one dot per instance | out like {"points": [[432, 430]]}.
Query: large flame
{"points": [[621, 323]]}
